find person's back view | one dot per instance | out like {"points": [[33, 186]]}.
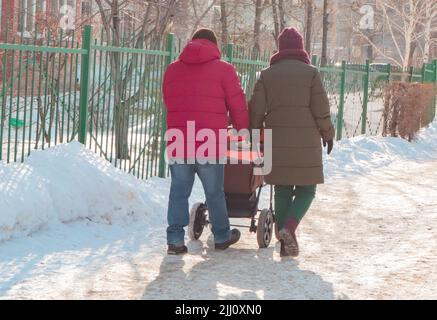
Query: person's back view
{"points": [[202, 89], [289, 99]]}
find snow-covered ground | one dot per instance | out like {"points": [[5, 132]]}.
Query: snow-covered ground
{"points": [[72, 226]]}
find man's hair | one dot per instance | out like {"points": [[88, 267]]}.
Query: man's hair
{"points": [[207, 34]]}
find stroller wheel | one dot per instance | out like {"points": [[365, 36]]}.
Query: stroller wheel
{"points": [[197, 221], [264, 231]]}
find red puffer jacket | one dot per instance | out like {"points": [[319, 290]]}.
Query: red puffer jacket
{"points": [[202, 88]]}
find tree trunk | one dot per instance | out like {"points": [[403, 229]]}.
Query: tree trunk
{"points": [[257, 26], [309, 24], [324, 60], [120, 125], [406, 58], [275, 21], [122, 75], [413, 47], [427, 33], [224, 22], [201, 17], [370, 53], [282, 22]]}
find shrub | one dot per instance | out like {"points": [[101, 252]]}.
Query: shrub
{"points": [[406, 107]]}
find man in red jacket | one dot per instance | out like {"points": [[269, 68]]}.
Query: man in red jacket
{"points": [[201, 89]]}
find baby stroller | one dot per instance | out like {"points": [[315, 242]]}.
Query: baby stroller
{"points": [[242, 193]]}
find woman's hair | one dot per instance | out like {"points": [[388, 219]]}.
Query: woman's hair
{"points": [[207, 34]]}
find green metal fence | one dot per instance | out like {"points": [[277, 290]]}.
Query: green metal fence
{"points": [[39, 93], [356, 94], [125, 110], [107, 95]]}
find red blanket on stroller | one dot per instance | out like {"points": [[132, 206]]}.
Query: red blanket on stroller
{"points": [[239, 178]]}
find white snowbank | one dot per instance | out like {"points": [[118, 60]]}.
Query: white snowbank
{"points": [[69, 182], [62, 184], [361, 155]]}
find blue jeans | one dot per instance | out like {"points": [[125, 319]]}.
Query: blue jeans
{"points": [[182, 180]]}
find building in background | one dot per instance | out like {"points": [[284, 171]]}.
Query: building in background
{"points": [[21, 17]]}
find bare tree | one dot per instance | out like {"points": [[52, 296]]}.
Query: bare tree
{"points": [[429, 26], [224, 22], [151, 28], [260, 6], [257, 25], [199, 18], [325, 33], [275, 21], [281, 10], [408, 23], [309, 24], [279, 23]]}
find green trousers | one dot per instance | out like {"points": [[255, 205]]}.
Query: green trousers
{"points": [[292, 202]]}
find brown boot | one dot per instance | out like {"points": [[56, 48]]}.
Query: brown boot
{"points": [[289, 245], [287, 236], [282, 252]]}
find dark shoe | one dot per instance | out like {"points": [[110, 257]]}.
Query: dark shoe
{"points": [[289, 245], [176, 250], [235, 236]]}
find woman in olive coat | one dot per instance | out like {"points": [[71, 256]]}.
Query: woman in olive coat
{"points": [[290, 99]]}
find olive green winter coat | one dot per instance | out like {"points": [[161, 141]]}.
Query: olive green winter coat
{"points": [[290, 99]]}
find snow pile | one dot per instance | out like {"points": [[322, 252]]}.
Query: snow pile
{"points": [[62, 184], [361, 155], [69, 182]]}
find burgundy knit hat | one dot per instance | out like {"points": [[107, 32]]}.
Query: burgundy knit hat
{"points": [[290, 47], [290, 39]]}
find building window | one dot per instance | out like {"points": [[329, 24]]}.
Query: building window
{"points": [[29, 11], [67, 14], [58, 7], [62, 3], [86, 8]]}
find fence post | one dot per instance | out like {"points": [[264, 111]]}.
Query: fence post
{"points": [[314, 60], [230, 52], [389, 71], [341, 105], [85, 62], [365, 98], [411, 73], [434, 100], [168, 60], [424, 67]]}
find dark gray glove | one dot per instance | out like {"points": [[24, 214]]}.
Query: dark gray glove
{"points": [[330, 144]]}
